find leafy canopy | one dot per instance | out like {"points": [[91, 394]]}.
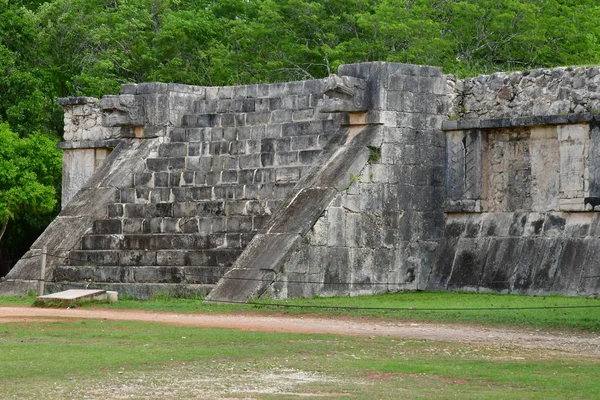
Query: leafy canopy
{"points": [[28, 171]]}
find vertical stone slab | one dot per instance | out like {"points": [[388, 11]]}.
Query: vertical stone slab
{"points": [[550, 250], [590, 274], [594, 160], [569, 270], [519, 177], [574, 141], [464, 154], [498, 271], [545, 168], [473, 155], [468, 264], [455, 177], [525, 266], [508, 171], [78, 166]]}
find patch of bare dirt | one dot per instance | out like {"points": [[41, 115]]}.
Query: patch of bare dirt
{"points": [[189, 381], [21, 319], [578, 344]]}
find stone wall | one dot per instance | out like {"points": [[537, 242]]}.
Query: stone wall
{"points": [[519, 252], [558, 91], [381, 233], [385, 177], [521, 181]]}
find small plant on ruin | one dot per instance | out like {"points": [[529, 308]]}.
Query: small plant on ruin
{"points": [[374, 154], [353, 178]]}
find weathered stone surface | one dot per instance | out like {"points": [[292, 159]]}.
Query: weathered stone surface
{"points": [[545, 168], [87, 143], [65, 232], [467, 269], [525, 95], [551, 170], [300, 214], [344, 94], [568, 275], [574, 141], [594, 161], [546, 265], [256, 268], [346, 179], [590, 279], [295, 218], [464, 160], [502, 256]]}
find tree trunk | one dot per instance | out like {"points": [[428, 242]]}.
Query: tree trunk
{"points": [[3, 228]]}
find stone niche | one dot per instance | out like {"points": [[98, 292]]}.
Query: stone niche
{"points": [[530, 168]]}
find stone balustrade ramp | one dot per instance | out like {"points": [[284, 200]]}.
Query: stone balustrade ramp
{"points": [[90, 203], [261, 262]]}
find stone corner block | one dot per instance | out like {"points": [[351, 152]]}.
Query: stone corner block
{"points": [[152, 88], [129, 88], [72, 101]]}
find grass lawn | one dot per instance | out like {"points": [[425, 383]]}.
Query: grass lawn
{"points": [[473, 308], [105, 359]]}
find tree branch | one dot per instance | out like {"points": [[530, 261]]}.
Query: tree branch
{"points": [[3, 228]]}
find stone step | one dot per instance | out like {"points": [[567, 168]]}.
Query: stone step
{"points": [[140, 274], [226, 144], [254, 169], [277, 121], [250, 191], [140, 291], [191, 225], [226, 161], [159, 241], [242, 140], [222, 257], [188, 209]]}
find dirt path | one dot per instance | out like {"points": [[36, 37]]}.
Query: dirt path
{"points": [[584, 344]]}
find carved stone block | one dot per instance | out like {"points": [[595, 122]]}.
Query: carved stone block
{"points": [[594, 160], [464, 162], [574, 169], [344, 94]]}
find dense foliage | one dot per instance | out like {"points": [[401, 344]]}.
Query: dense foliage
{"points": [[28, 176], [89, 47], [58, 48]]}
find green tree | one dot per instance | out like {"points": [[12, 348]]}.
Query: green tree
{"points": [[27, 100], [29, 175]]}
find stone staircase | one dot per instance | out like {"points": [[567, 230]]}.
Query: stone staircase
{"points": [[197, 204]]}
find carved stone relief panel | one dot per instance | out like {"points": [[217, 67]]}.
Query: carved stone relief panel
{"points": [[574, 161], [509, 170], [593, 199], [540, 168], [464, 159], [545, 168]]}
